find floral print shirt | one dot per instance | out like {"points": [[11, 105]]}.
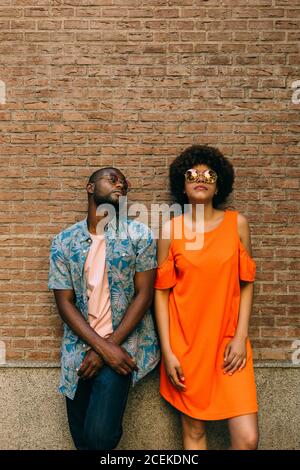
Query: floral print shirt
{"points": [[130, 248]]}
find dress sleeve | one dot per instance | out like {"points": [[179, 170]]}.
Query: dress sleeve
{"points": [[247, 266], [166, 273]]}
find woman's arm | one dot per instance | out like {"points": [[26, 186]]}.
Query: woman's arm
{"points": [[235, 356], [161, 302], [246, 297]]}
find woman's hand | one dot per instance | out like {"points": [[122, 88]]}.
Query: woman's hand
{"points": [[235, 355], [174, 371]]}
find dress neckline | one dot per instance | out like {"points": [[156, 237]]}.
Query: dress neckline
{"points": [[214, 229], [220, 224]]}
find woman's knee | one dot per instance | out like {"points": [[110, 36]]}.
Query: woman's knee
{"points": [[249, 441], [193, 430]]}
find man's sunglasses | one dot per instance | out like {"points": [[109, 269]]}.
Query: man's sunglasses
{"points": [[114, 179], [207, 176]]}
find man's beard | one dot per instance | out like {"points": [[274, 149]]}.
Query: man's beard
{"points": [[106, 200]]}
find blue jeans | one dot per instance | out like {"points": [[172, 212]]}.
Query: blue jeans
{"points": [[96, 413]]}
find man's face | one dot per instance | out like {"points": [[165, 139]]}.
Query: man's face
{"points": [[109, 185]]}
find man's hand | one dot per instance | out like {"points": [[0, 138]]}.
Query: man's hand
{"points": [[90, 366], [117, 358], [113, 355]]}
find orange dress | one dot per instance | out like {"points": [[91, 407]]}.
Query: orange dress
{"points": [[203, 314]]}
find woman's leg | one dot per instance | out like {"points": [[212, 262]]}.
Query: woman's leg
{"points": [[244, 432], [193, 433]]}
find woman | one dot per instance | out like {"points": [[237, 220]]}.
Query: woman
{"points": [[203, 302]]}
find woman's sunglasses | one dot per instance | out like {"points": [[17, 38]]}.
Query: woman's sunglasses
{"points": [[207, 176]]}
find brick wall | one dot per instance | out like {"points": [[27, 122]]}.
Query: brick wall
{"points": [[131, 83]]}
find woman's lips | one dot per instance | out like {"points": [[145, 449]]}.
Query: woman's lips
{"points": [[200, 187]]}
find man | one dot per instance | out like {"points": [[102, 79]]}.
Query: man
{"points": [[103, 287]]}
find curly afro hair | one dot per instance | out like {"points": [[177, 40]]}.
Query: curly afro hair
{"points": [[201, 154]]}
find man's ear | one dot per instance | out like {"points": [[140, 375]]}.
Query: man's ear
{"points": [[90, 187]]}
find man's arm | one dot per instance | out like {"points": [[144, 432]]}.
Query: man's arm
{"points": [[143, 284], [113, 355]]}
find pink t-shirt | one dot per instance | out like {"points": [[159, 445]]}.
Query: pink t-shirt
{"points": [[97, 287]]}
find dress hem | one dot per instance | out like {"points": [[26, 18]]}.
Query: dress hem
{"points": [[219, 417]]}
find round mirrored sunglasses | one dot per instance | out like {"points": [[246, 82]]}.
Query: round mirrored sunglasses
{"points": [[207, 176]]}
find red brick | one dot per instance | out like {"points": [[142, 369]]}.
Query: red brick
{"points": [[132, 86]]}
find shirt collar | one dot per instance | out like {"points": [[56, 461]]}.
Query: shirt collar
{"points": [[85, 235]]}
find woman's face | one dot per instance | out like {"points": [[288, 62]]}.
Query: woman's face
{"points": [[200, 191]]}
